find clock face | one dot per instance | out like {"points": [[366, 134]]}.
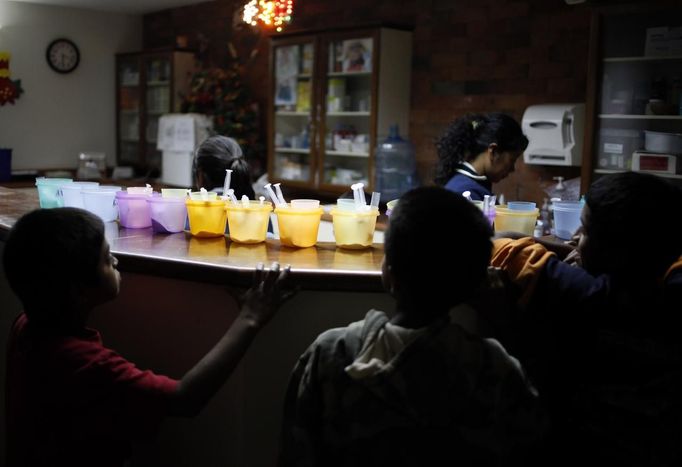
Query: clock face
{"points": [[62, 55]]}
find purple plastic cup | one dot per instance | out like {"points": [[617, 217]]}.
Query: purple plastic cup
{"points": [[168, 214], [133, 210]]}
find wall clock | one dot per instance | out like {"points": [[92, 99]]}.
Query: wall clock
{"points": [[63, 55]]}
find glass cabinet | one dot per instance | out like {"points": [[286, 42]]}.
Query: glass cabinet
{"points": [[636, 91], [333, 95], [148, 85]]}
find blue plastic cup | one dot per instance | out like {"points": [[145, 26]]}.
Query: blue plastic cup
{"points": [[566, 218], [47, 191], [521, 205]]}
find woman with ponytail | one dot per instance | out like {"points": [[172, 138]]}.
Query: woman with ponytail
{"points": [[478, 150]]}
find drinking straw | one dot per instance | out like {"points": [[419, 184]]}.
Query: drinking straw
{"points": [[204, 193], [272, 195], [486, 204], [376, 196], [356, 196], [230, 194], [228, 177], [245, 201], [280, 196]]}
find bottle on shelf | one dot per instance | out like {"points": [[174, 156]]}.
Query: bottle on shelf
{"points": [[396, 169]]}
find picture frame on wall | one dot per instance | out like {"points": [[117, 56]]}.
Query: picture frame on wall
{"points": [[357, 55]]}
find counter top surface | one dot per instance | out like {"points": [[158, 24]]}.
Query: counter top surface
{"points": [[180, 255]]}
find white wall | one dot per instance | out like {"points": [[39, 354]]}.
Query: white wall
{"points": [[58, 116]]}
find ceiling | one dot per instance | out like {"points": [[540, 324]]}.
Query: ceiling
{"points": [[118, 6]]}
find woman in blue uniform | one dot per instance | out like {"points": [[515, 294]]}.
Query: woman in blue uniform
{"points": [[478, 150]]}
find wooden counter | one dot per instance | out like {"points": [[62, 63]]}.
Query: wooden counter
{"points": [[219, 260]]}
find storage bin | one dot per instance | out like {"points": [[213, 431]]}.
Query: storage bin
{"points": [[168, 215], [47, 191], [566, 218], [616, 147], [101, 201], [72, 194], [133, 210]]}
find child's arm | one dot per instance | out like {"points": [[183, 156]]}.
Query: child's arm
{"points": [[269, 291]]}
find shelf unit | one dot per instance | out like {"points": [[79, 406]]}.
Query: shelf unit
{"points": [[627, 69], [148, 85], [325, 117]]}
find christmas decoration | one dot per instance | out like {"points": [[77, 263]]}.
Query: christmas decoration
{"points": [[221, 94], [268, 13], [9, 90]]}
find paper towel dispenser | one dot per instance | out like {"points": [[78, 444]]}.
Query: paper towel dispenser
{"points": [[555, 134]]}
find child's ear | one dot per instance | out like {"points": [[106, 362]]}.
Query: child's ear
{"points": [[492, 150]]}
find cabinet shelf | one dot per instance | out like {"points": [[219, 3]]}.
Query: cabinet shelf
{"points": [[639, 117], [641, 59], [346, 153], [349, 114], [660, 174], [291, 113]]}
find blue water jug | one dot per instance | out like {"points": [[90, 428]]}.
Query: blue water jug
{"points": [[396, 169]]}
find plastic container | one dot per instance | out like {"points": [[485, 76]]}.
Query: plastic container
{"points": [[199, 196], [133, 210], [72, 194], [345, 204], [566, 218], [168, 215], [354, 230], [521, 205], [298, 227], [248, 224], [174, 192], [101, 201], [206, 218], [396, 169], [515, 221], [666, 143], [47, 191], [139, 190]]}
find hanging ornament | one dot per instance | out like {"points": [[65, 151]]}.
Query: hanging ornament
{"points": [[268, 13], [9, 90]]}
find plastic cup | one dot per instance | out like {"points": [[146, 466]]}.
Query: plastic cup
{"points": [[47, 191], [168, 215], [199, 196], [71, 194], [133, 210], [345, 204], [566, 218], [521, 205], [354, 230], [516, 221], [390, 206], [248, 224], [305, 204], [206, 218], [101, 201], [174, 192], [298, 227], [140, 190]]}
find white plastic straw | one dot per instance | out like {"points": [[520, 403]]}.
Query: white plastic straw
{"points": [[272, 195], [486, 204], [376, 196], [361, 189], [356, 196], [228, 178], [204, 193], [280, 196]]}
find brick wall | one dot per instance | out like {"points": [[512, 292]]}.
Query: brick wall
{"points": [[469, 56]]}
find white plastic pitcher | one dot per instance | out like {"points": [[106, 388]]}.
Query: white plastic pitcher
{"points": [[71, 194], [102, 202]]}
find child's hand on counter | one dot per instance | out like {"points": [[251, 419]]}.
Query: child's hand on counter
{"points": [[267, 293]]}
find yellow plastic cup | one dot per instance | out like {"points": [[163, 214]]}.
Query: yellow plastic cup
{"points": [[354, 230], [199, 196], [515, 221], [298, 227], [206, 218], [248, 224]]}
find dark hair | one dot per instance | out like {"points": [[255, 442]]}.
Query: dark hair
{"points": [[214, 156], [438, 246], [47, 251], [629, 208], [470, 135]]}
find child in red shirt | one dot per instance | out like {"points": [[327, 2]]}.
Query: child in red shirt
{"points": [[70, 400]]}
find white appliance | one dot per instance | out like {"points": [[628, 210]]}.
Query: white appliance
{"points": [[643, 161], [179, 136], [555, 134]]}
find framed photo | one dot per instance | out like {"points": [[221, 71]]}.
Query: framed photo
{"points": [[357, 55], [286, 74]]}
